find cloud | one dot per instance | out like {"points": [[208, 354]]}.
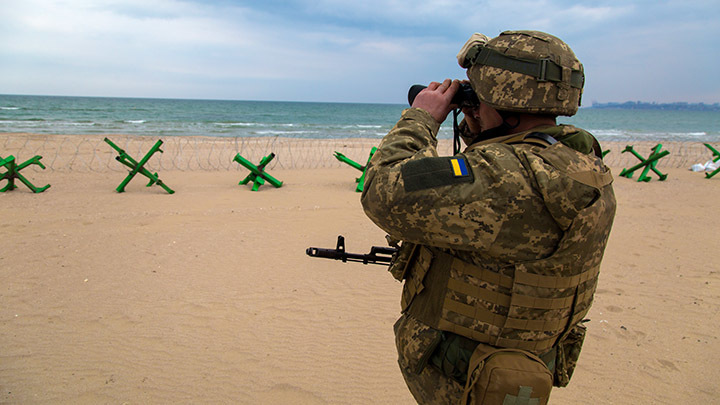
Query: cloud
{"points": [[660, 52], [331, 50], [189, 41]]}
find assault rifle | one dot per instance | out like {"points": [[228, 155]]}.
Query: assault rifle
{"points": [[378, 254]]}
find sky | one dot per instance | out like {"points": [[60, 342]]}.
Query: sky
{"points": [[367, 51]]}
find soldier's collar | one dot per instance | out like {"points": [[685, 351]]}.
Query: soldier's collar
{"points": [[512, 138]]}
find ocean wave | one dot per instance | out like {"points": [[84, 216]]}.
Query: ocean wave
{"points": [[253, 124], [607, 132], [135, 121], [235, 124], [275, 132], [361, 126], [9, 108], [626, 135], [24, 123], [39, 122]]}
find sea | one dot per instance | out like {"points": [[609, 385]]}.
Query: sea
{"points": [[233, 118]]}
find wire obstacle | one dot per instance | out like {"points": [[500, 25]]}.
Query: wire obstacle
{"points": [[360, 180], [138, 167], [258, 176], [12, 172], [645, 164]]}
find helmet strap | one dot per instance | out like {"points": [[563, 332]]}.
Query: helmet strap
{"points": [[500, 130]]}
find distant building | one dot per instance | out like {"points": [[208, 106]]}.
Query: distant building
{"points": [[678, 106]]}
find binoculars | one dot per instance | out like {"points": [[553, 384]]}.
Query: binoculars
{"points": [[465, 96]]}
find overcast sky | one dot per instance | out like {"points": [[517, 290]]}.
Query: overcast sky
{"points": [[340, 50]]}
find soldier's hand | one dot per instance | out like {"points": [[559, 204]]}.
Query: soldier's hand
{"points": [[436, 98]]}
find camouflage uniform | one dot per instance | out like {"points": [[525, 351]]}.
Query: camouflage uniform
{"points": [[512, 204]]}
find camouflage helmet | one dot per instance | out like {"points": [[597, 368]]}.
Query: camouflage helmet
{"points": [[524, 71]]}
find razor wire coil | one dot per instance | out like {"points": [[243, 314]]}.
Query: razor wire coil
{"points": [[90, 153]]}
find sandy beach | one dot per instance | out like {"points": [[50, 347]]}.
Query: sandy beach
{"points": [[207, 296]]}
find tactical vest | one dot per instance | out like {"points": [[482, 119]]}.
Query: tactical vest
{"points": [[526, 305]]}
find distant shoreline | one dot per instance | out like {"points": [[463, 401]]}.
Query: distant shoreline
{"points": [[639, 105]]}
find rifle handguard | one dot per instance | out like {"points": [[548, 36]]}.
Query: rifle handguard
{"points": [[378, 254]]}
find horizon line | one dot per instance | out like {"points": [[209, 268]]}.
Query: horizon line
{"points": [[592, 103]]}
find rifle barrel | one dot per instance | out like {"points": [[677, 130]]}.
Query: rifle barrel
{"points": [[377, 255]]}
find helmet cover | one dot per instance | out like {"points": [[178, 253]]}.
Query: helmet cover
{"points": [[524, 71]]}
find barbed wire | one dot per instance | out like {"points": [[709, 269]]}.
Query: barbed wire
{"points": [[80, 153]]}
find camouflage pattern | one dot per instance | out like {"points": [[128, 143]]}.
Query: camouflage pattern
{"points": [[428, 385], [568, 352], [510, 91], [500, 214], [531, 213]]}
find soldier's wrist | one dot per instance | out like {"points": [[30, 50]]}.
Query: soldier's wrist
{"points": [[424, 117]]}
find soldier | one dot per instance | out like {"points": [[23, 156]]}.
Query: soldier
{"points": [[502, 243]]}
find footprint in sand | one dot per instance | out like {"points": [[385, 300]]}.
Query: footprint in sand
{"points": [[289, 394], [668, 364]]}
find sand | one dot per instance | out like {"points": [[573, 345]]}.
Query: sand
{"points": [[207, 296]]}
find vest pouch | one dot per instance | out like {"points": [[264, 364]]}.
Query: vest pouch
{"points": [[420, 260], [399, 266], [415, 343], [507, 377], [452, 356], [568, 352]]}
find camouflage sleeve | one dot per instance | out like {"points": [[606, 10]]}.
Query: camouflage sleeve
{"points": [[413, 135], [490, 208]]}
